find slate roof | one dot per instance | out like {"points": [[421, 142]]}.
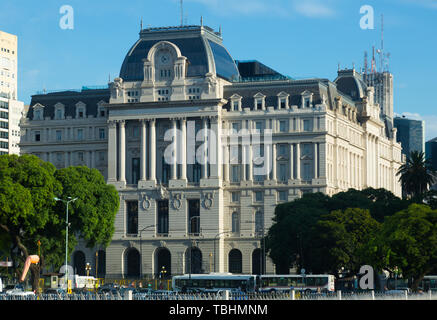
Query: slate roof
{"points": [[69, 99]]}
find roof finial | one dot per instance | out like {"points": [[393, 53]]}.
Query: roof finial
{"points": [[220, 30], [141, 24], [201, 21]]}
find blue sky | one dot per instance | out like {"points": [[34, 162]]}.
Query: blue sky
{"points": [[300, 38]]}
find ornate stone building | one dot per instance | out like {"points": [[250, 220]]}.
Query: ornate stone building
{"points": [[202, 148]]}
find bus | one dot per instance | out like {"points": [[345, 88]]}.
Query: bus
{"points": [[286, 282], [214, 282], [429, 283]]}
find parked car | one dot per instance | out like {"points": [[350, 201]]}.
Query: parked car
{"points": [[58, 291]]}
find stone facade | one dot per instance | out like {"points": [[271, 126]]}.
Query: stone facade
{"points": [[243, 144]]}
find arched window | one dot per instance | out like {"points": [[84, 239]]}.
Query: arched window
{"points": [[163, 266], [235, 261], [235, 222], [132, 263], [101, 263], [196, 260]]}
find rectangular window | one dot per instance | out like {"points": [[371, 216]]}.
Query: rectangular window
{"points": [[37, 136], [58, 135], [194, 216], [235, 196], [283, 103], [79, 134], [163, 221], [235, 173], [259, 196], [235, 126], [259, 126], [235, 105], [80, 156], [132, 217], [282, 126], [306, 125], [102, 134], [283, 172], [259, 104], [135, 170], [283, 195]]}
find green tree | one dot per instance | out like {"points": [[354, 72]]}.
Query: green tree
{"points": [[28, 211], [340, 238], [416, 175], [408, 241], [27, 188], [288, 241], [291, 238]]}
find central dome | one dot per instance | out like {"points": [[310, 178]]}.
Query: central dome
{"points": [[200, 45]]}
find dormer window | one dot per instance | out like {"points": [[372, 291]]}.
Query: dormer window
{"points": [[236, 102], [307, 99], [38, 115], [59, 111], [259, 101], [80, 110], [38, 112], [283, 100]]}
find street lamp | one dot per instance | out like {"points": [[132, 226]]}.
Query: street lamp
{"points": [[66, 234], [88, 269], [141, 247]]}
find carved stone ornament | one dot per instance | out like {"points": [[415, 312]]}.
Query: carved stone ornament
{"points": [[162, 192], [208, 200], [176, 201], [145, 203]]}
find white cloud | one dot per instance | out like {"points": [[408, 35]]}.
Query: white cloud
{"points": [[313, 9]]}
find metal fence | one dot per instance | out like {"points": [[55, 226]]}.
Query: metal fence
{"points": [[227, 295]]}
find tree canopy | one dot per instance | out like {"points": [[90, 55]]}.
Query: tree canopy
{"points": [[306, 230], [29, 212]]}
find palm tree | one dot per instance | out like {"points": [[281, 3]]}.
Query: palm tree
{"points": [[416, 175]]}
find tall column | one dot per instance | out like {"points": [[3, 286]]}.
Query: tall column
{"points": [[215, 149], [205, 141], [298, 161], [122, 151], [274, 161], [226, 161], [174, 165], [143, 150], [112, 151], [183, 149], [243, 162], [291, 161], [152, 149], [315, 160], [250, 162]]}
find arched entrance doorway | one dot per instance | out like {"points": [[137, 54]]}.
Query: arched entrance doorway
{"points": [[196, 260], [257, 262], [235, 261], [132, 263], [163, 263], [79, 263], [101, 263]]}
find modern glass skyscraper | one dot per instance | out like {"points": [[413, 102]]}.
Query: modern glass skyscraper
{"points": [[411, 134]]}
